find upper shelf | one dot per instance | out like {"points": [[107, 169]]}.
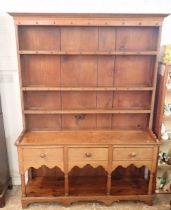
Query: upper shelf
{"points": [[38, 88], [49, 52], [87, 40]]}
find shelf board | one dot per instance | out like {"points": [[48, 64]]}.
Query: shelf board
{"points": [[87, 185], [53, 52], [45, 186], [36, 88], [90, 111], [130, 186], [84, 186]]}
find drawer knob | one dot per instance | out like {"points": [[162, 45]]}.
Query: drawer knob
{"points": [[88, 155], [42, 155], [133, 154]]}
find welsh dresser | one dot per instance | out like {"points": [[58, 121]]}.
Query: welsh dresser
{"points": [[88, 86]]}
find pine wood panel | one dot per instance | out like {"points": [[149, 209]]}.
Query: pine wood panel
{"points": [[47, 122], [87, 121], [78, 100], [104, 100], [127, 36], [133, 71], [137, 100], [35, 38], [78, 71], [40, 71], [42, 101], [106, 70], [104, 121], [87, 100], [107, 39], [79, 39], [131, 121], [79, 121]]}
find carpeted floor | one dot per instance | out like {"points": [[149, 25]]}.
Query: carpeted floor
{"points": [[161, 202]]}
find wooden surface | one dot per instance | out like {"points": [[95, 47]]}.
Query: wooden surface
{"points": [[45, 186], [86, 137], [84, 186]]}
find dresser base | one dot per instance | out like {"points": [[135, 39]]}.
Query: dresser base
{"points": [[7, 186], [68, 200]]}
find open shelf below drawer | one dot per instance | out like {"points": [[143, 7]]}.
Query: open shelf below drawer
{"points": [[45, 186], [85, 186], [137, 186]]}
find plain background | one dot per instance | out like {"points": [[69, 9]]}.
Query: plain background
{"points": [[9, 84]]}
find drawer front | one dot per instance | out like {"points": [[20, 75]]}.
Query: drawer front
{"points": [[88, 153], [132, 153], [43, 155]]}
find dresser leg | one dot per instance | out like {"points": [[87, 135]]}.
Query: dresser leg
{"points": [[108, 184], [30, 174], [2, 201], [24, 204], [149, 202], [23, 186], [150, 185], [66, 185]]}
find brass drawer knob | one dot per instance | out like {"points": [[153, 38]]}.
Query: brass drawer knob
{"points": [[133, 154], [42, 155], [88, 155]]}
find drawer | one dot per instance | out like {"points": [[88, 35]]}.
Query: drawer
{"points": [[42, 155], [132, 153], [88, 153]]}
